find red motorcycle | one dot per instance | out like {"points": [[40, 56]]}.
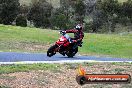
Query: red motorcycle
{"points": [[69, 50]]}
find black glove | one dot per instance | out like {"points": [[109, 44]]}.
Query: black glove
{"points": [[62, 32]]}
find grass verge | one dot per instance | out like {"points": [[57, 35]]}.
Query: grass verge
{"points": [[27, 67], [6, 69]]}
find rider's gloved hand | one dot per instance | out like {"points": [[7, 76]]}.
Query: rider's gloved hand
{"points": [[62, 31]]}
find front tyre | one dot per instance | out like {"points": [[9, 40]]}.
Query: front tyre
{"points": [[51, 51]]}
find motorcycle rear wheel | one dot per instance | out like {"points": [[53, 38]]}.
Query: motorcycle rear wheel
{"points": [[51, 51], [72, 53]]}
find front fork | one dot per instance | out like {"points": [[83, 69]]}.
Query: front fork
{"points": [[57, 48]]}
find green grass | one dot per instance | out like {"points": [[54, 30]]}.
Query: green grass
{"points": [[4, 87], [108, 44], [14, 38], [5, 69]]}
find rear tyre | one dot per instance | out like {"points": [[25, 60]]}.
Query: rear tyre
{"points": [[51, 51], [72, 53]]}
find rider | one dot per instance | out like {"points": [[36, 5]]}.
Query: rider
{"points": [[78, 35]]}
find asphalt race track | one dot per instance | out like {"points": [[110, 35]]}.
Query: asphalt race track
{"points": [[21, 58]]}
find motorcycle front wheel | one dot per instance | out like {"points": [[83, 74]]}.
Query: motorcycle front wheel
{"points": [[51, 51]]}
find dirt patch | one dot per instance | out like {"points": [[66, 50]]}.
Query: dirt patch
{"points": [[65, 76], [34, 47]]}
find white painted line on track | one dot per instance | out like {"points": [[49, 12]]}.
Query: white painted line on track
{"points": [[59, 62]]}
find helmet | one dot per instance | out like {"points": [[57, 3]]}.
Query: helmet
{"points": [[79, 27]]}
